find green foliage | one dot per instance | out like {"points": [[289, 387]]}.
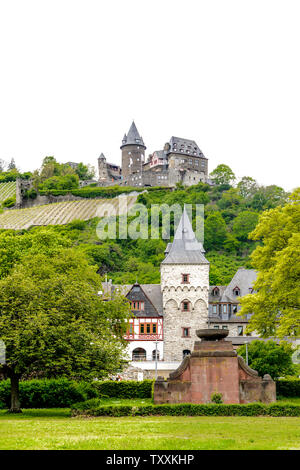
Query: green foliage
{"points": [[244, 223], [223, 174], [9, 202], [124, 389], [269, 358], [188, 409], [275, 305], [216, 398], [85, 172], [66, 182], [214, 231], [54, 393], [288, 388]]}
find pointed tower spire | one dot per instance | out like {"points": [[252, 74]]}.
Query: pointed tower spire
{"points": [[133, 137], [185, 248]]}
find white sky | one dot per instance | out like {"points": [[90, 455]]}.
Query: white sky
{"points": [[224, 73]]}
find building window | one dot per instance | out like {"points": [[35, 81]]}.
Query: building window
{"points": [[224, 327], [155, 353], [215, 291], [130, 329], [224, 308], [240, 330], [185, 279], [234, 308], [137, 305], [236, 291], [185, 352], [186, 333], [216, 327], [185, 306], [139, 354], [148, 328], [214, 309]]}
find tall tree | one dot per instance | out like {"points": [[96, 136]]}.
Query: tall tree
{"points": [[215, 232], [54, 323], [276, 304], [11, 165]]}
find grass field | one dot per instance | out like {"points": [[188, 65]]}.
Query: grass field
{"points": [[54, 429]]}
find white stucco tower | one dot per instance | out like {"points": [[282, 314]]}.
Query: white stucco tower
{"points": [[185, 285]]}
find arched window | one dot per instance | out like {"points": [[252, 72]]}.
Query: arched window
{"points": [[153, 355], [215, 291], [185, 352], [185, 306], [139, 354]]}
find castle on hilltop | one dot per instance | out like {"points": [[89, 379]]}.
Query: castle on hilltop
{"points": [[180, 161]]}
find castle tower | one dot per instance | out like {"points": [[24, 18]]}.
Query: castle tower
{"points": [[185, 286], [102, 168], [133, 152]]}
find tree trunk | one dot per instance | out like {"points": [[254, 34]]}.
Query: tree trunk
{"points": [[15, 400]]}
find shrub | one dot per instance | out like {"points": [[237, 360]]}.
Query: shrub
{"points": [[125, 389], [288, 388], [216, 398], [188, 409], [54, 393], [9, 202]]}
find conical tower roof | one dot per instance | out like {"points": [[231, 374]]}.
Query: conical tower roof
{"points": [[133, 137], [185, 248]]}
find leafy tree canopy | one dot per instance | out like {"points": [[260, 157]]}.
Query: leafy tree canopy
{"points": [[52, 320], [223, 174], [269, 358], [276, 304]]}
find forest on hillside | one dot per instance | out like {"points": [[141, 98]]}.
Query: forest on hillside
{"points": [[231, 212]]}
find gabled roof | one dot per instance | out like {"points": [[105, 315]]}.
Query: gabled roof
{"points": [[133, 137], [184, 147], [185, 248], [244, 280], [151, 291]]}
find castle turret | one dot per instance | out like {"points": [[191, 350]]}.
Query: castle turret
{"points": [[185, 286], [102, 168], [133, 152]]}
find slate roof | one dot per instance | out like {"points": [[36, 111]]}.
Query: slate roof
{"points": [[244, 279], [184, 147], [185, 248], [133, 137], [152, 291]]}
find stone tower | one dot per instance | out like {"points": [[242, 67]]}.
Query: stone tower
{"points": [[133, 152], [185, 285], [102, 168]]}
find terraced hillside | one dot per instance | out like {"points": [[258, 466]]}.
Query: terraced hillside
{"points": [[63, 212], [7, 190]]}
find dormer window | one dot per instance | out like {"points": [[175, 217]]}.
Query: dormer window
{"points": [[236, 291], [185, 279], [215, 291]]}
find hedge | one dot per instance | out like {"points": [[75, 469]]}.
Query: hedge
{"points": [[60, 393], [94, 192], [186, 409], [54, 393], [288, 388], [125, 389]]}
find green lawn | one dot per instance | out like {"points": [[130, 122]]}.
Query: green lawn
{"points": [[54, 429]]}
